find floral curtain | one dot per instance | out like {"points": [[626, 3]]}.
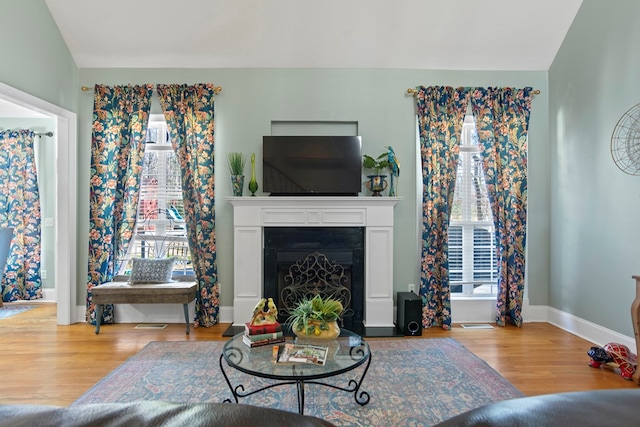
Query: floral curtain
{"points": [[502, 121], [20, 209], [120, 117], [441, 112], [189, 113]]}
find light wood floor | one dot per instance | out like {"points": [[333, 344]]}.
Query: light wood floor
{"points": [[43, 363]]}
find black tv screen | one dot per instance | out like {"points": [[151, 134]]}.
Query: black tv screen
{"points": [[312, 165]]}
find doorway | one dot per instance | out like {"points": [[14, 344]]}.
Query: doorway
{"points": [[64, 220]]}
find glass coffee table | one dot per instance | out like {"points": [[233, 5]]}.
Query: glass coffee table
{"points": [[346, 353]]}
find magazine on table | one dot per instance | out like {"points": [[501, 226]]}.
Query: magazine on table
{"points": [[303, 353]]}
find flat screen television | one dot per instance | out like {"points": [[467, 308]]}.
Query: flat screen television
{"points": [[312, 165]]}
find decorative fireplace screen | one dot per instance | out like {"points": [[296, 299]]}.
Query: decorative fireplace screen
{"points": [[315, 275]]}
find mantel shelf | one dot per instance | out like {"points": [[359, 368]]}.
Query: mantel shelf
{"points": [[346, 201]]}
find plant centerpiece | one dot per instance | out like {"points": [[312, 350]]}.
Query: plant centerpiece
{"points": [[236, 162], [377, 183], [316, 318]]}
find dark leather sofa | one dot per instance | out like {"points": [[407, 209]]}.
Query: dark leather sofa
{"points": [[153, 413], [601, 408]]}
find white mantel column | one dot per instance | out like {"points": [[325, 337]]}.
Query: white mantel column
{"points": [[252, 214]]}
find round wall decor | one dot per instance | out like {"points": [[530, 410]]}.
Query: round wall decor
{"points": [[625, 142]]}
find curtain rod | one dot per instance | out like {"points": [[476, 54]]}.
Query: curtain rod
{"points": [[216, 89], [41, 134], [415, 91]]}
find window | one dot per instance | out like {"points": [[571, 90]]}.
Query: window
{"points": [[472, 250], [160, 226]]}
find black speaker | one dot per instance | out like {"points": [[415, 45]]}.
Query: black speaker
{"points": [[409, 313]]}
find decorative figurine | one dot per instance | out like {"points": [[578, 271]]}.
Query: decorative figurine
{"points": [[394, 166], [614, 355], [262, 317]]}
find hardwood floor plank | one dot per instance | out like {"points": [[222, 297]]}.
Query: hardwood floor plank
{"points": [[42, 363]]}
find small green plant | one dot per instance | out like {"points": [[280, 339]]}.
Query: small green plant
{"points": [[319, 309], [378, 164], [236, 163]]}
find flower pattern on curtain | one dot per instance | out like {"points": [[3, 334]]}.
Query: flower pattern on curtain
{"points": [[441, 112], [502, 121], [189, 113], [120, 118], [20, 209]]}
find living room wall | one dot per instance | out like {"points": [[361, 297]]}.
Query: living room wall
{"points": [[594, 205], [35, 58], [376, 99]]}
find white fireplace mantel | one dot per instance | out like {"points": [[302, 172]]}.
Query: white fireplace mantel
{"points": [[252, 214]]}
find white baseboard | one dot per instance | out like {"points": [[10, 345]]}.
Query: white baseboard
{"points": [[587, 330]]}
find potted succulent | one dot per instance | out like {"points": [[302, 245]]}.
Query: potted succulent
{"points": [[236, 162], [377, 183], [316, 318]]}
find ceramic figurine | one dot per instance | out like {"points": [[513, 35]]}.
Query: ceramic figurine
{"points": [[614, 355], [262, 317]]}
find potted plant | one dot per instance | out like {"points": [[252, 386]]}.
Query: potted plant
{"points": [[236, 162], [316, 318], [377, 183]]}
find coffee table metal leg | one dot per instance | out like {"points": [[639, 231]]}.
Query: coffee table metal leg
{"points": [[224, 374], [300, 386], [361, 397]]}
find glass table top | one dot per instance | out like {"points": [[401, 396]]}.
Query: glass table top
{"points": [[345, 353]]}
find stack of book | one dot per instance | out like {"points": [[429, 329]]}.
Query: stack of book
{"points": [[257, 335]]}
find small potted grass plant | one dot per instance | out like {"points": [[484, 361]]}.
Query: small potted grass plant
{"points": [[236, 162]]}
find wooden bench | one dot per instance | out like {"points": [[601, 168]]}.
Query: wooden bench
{"points": [[119, 291]]}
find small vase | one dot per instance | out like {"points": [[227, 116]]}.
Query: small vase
{"points": [[330, 330], [253, 183], [377, 184], [237, 183]]}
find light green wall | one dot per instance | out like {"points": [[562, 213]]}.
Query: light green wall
{"points": [[375, 99], [594, 205], [35, 58], [45, 164]]}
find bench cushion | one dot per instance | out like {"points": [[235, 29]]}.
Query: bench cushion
{"points": [[157, 293]]}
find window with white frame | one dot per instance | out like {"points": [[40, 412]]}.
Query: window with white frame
{"points": [[160, 227], [472, 251]]}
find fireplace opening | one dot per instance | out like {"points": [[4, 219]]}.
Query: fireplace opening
{"points": [[305, 261]]}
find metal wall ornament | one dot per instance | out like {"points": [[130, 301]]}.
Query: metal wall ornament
{"points": [[625, 142]]}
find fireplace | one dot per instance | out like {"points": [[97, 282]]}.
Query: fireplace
{"points": [[307, 261], [371, 260]]}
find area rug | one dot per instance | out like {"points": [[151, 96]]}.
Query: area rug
{"points": [[412, 382], [11, 310]]}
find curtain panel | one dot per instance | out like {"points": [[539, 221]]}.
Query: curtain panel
{"points": [[20, 209], [120, 118], [440, 112], [502, 121], [189, 112]]}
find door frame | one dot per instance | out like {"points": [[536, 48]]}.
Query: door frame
{"points": [[65, 225]]}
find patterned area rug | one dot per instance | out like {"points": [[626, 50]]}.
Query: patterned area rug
{"points": [[412, 382], [12, 310]]}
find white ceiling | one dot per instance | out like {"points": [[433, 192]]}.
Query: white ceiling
{"points": [[401, 34], [410, 34]]}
